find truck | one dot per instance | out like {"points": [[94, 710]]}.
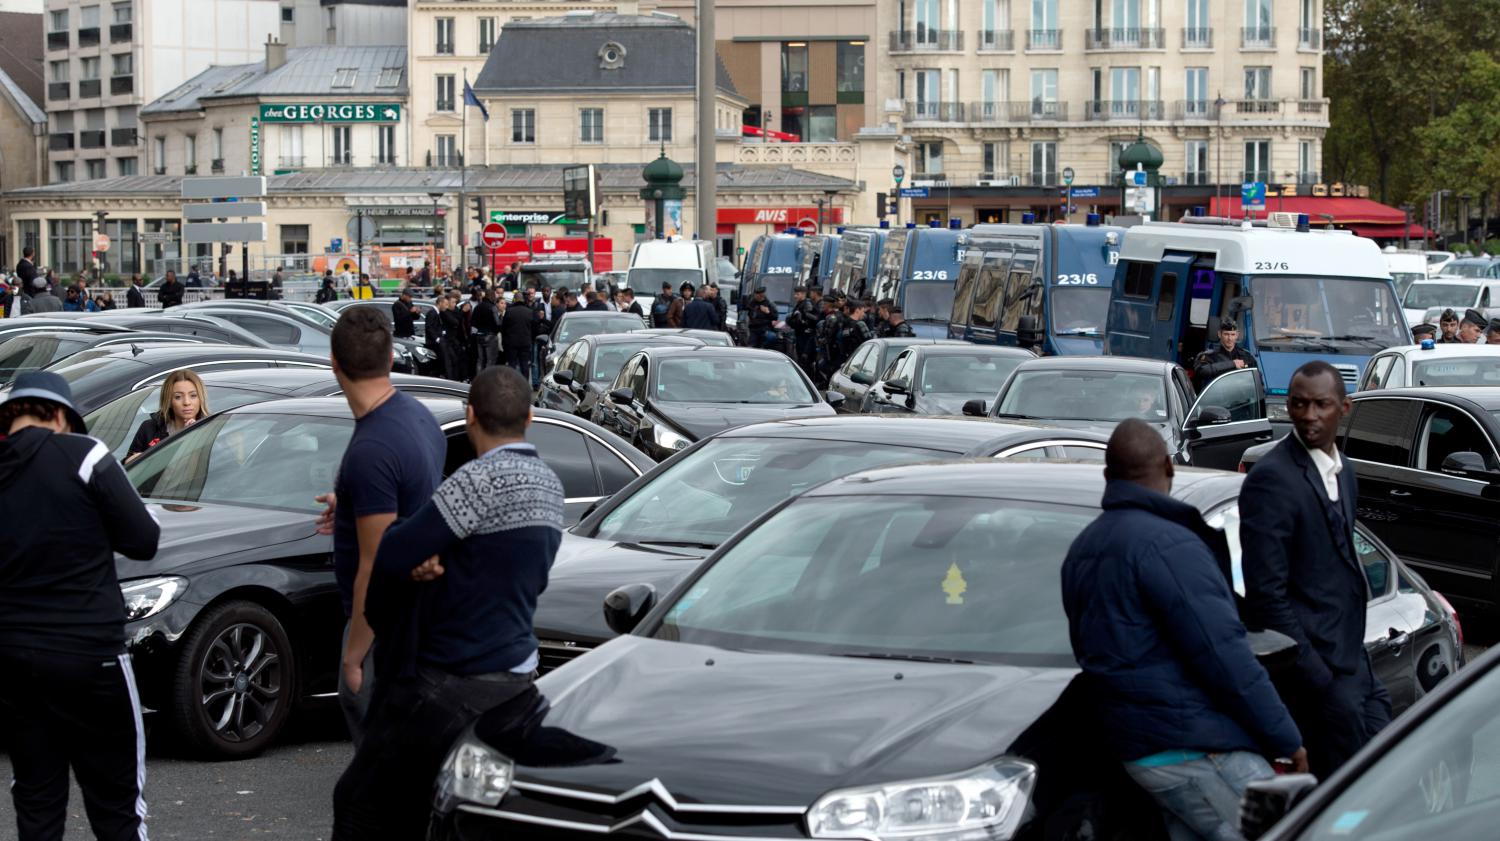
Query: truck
{"points": [[1297, 295], [858, 258], [918, 269], [819, 254], [1040, 286]]}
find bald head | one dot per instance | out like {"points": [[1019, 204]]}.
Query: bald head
{"points": [[1136, 453]]}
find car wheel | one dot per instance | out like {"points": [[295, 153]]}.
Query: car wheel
{"points": [[235, 681], [1432, 667]]}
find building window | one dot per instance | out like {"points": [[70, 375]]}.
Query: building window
{"points": [[126, 166], [794, 67], [928, 94], [660, 122], [1258, 20], [124, 63], [523, 125], [343, 143], [486, 35], [94, 169], [1257, 160], [291, 146], [1196, 88], [1196, 171], [294, 242], [1044, 93], [88, 17], [591, 125], [446, 100], [30, 233], [444, 36], [344, 77], [159, 155], [65, 244], [1257, 83], [930, 158], [996, 155], [1307, 168], [88, 68], [390, 77], [1308, 88], [59, 21], [121, 258], [218, 147], [190, 152], [62, 171], [1044, 163], [59, 71], [447, 150], [851, 72], [385, 137], [288, 14]]}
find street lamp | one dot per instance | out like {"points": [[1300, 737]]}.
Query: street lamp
{"points": [[436, 227]]}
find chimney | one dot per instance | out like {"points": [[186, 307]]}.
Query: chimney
{"points": [[629, 7], [275, 54]]}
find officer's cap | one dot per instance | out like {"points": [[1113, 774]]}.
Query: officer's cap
{"points": [[1476, 318], [1423, 331], [1226, 324]]}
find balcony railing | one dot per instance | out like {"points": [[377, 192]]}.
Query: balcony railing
{"points": [[444, 48], [1310, 106], [1309, 39], [1039, 111], [926, 40], [122, 137], [1044, 39], [453, 160], [997, 40], [1251, 175], [121, 32], [337, 159], [1042, 179], [1196, 179], [292, 161], [1194, 109], [1128, 38], [59, 141], [989, 112], [58, 40], [91, 139], [89, 88], [121, 84], [447, 105], [59, 90], [216, 165], [190, 169], [88, 36], [940, 112], [1257, 37], [161, 170], [1198, 38], [1256, 106], [1124, 109], [989, 179]]}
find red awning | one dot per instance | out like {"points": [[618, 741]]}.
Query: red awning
{"points": [[1347, 211], [1413, 231], [756, 131]]}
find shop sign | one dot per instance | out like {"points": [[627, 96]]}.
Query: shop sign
{"points": [[332, 112], [777, 215], [255, 146], [532, 217]]}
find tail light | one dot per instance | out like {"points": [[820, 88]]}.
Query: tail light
{"points": [[1448, 606], [1243, 467]]}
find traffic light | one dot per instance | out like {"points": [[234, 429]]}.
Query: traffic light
{"points": [[99, 217], [479, 214], [880, 205]]}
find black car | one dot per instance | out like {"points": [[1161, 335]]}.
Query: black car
{"points": [[940, 379], [1211, 429], [585, 370], [421, 359], [665, 398], [187, 324], [237, 618], [101, 379], [568, 327], [424, 305], [660, 527], [115, 422], [865, 366], [35, 351], [48, 323], [894, 637], [715, 338], [275, 327], [1429, 483]]}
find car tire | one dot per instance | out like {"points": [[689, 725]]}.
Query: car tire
{"points": [[1432, 667], [235, 681]]}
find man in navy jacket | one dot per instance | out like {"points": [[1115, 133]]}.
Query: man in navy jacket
{"points": [[1302, 576], [1192, 714]]}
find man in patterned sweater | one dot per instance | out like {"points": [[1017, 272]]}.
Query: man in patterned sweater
{"points": [[477, 556]]}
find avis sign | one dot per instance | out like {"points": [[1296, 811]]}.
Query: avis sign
{"points": [[332, 112]]}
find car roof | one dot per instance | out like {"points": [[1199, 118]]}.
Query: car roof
{"points": [[640, 335], [1453, 280], [1445, 349], [597, 314], [716, 351], [1054, 482], [1484, 398], [968, 349], [445, 409], [173, 352], [914, 341], [1127, 364], [934, 432]]}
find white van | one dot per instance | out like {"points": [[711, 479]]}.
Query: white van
{"points": [[1406, 267], [655, 262]]}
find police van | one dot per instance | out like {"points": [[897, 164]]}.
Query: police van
{"points": [[1044, 287], [773, 261], [858, 258], [819, 253], [1297, 295], [918, 268]]}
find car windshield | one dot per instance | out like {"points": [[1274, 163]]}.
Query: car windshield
{"points": [[314, 314], [1315, 311], [1456, 295], [1469, 268], [707, 379], [76, 368], [556, 278], [267, 461], [977, 373], [1105, 396], [571, 329], [706, 495], [33, 353], [1079, 311], [1463, 370], [1404, 281], [115, 422], [890, 576], [646, 281], [927, 301], [610, 358]]}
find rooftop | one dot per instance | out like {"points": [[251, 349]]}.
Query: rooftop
{"points": [[341, 71]]}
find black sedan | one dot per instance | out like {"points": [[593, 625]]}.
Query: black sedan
{"points": [[884, 656], [660, 527], [665, 398], [569, 327], [941, 379], [585, 370], [35, 351], [187, 324], [238, 618], [51, 323], [1209, 430], [715, 338], [865, 366]]}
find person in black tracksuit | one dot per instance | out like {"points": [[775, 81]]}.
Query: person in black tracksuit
{"points": [[68, 697]]}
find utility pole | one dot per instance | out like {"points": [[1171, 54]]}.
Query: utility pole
{"points": [[707, 168]]}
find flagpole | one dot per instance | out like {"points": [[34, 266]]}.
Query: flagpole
{"points": [[463, 178]]}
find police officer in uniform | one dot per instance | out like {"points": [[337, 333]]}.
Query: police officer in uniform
{"points": [[1228, 356], [803, 319], [856, 329], [1471, 328]]}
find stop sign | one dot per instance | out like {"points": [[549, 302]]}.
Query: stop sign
{"points": [[493, 235]]}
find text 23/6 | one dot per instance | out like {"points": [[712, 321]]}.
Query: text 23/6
{"points": [[1270, 266], [1090, 279]]}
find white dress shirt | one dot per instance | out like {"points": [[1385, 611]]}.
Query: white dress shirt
{"points": [[1328, 467]]}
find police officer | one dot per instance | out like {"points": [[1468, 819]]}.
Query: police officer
{"points": [[895, 324], [856, 329], [1423, 332], [1471, 328], [761, 322], [1448, 322], [67, 693], [882, 321], [803, 319], [827, 337], [1228, 356]]}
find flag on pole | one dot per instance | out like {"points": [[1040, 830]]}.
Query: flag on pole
{"points": [[471, 99]]}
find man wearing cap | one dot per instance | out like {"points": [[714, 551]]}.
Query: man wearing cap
{"points": [[896, 326], [1471, 328], [1422, 333], [1228, 356], [41, 298], [761, 322], [1449, 325], [1492, 332], [68, 696], [661, 306]]}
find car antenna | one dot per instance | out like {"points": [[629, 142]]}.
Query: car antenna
{"points": [[135, 349]]}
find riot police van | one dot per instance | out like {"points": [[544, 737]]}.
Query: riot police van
{"points": [[918, 267], [773, 261], [859, 257], [1297, 295], [819, 254], [1044, 287]]}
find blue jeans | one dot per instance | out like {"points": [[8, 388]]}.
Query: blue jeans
{"points": [[1200, 800]]}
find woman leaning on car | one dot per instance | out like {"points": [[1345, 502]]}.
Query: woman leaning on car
{"points": [[184, 402]]}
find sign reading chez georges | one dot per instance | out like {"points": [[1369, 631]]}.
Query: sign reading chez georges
{"points": [[331, 112]]}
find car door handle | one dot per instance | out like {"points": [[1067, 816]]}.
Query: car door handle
{"points": [[1397, 640], [1399, 492]]}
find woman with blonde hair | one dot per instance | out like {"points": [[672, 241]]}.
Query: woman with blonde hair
{"points": [[184, 402]]}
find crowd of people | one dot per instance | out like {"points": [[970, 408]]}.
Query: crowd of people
{"points": [[827, 330], [1473, 328]]}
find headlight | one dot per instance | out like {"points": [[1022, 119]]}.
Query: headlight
{"points": [[423, 354], [473, 773], [988, 802], [668, 439], [150, 596], [1276, 410]]}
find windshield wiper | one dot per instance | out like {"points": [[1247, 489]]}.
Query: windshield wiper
{"points": [[1370, 339], [1014, 415], [886, 655], [690, 544], [1079, 331]]}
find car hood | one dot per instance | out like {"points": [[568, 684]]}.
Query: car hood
{"points": [[1277, 367], [735, 735], [586, 570], [197, 535], [1078, 345], [701, 420]]}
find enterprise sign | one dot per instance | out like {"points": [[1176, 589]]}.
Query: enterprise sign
{"points": [[333, 112]]}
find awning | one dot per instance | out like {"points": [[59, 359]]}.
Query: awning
{"points": [[1364, 217], [1413, 231]]}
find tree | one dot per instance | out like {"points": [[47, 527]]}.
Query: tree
{"points": [[1461, 148]]}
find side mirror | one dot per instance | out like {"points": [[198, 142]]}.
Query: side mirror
{"points": [[897, 386], [834, 398], [1028, 334], [1469, 465], [1267, 801], [1243, 303], [976, 409], [1210, 416], [862, 378], [626, 607], [623, 396], [563, 378]]}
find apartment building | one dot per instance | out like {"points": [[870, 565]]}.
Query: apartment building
{"points": [[308, 23], [1000, 97]]}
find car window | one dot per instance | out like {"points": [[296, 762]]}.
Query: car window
{"points": [[1031, 454], [1395, 378], [1452, 371], [639, 377], [978, 373], [1109, 396], [32, 353], [270, 461], [1018, 293], [1083, 452], [1377, 371], [1377, 565], [614, 472], [1382, 431], [859, 361], [460, 449], [1235, 392], [989, 290], [1446, 431], [271, 330], [115, 422], [567, 453], [709, 379]]}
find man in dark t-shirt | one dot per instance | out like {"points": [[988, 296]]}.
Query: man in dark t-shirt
{"points": [[393, 463]]}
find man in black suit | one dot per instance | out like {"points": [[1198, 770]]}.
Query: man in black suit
{"points": [[1303, 577], [516, 333], [26, 267], [134, 297]]}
